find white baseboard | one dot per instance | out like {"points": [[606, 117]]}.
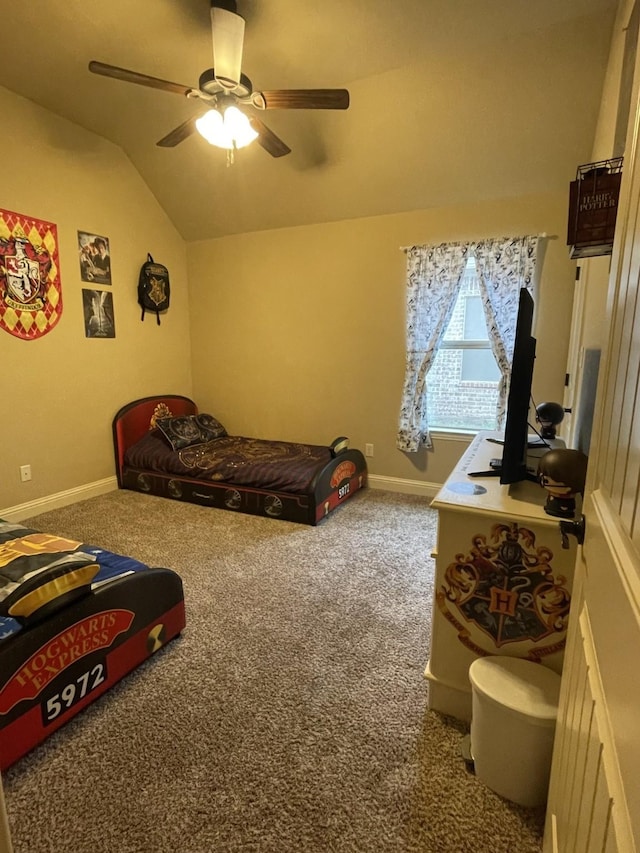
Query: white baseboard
{"points": [[406, 487], [60, 499]]}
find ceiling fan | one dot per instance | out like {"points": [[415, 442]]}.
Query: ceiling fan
{"points": [[228, 121]]}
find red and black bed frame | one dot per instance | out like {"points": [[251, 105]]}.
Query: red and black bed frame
{"points": [[331, 485], [74, 620]]}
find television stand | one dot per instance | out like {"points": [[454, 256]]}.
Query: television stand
{"points": [[503, 580], [490, 472], [534, 441], [536, 448]]}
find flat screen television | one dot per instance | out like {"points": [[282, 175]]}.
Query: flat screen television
{"points": [[513, 468]]}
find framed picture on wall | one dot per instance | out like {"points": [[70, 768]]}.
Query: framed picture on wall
{"points": [[95, 258], [99, 321]]}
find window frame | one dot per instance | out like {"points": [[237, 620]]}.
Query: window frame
{"points": [[472, 345]]}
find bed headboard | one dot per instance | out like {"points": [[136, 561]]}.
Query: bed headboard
{"points": [[132, 421]]}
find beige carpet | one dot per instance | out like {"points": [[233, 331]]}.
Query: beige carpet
{"points": [[290, 717]]}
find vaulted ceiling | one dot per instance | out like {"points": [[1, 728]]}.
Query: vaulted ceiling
{"points": [[451, 100]]}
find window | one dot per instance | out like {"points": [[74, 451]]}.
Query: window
{"points": [[466, 391], [462, 385]]}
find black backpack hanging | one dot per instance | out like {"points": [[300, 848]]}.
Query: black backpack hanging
{"points": [[154, 289]]}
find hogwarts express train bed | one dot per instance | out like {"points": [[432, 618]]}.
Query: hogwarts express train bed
{"points": [[163, 446], [76, 618]]}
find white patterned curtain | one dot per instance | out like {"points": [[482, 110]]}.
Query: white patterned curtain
{"points": [[504, 266], [433, 279]]}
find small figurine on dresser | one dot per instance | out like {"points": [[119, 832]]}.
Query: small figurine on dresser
{"points": [[549, 415], [562, 473]]}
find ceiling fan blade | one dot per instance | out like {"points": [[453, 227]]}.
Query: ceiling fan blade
{"points": [[178, 134], [267, 139], [302, 99], [134, 77]]}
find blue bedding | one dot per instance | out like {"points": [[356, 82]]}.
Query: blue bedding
{"points": [[25, 552]]}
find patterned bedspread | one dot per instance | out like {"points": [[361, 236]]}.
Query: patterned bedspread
{"points": [[278, 465], [25, 552]]}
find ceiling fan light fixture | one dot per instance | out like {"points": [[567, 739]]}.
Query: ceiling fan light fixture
{"points": [[238, 127], [228, 36], [230, 131], [225, 85]]}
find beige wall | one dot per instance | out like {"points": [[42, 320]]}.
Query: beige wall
{"points": [[591, 321], [295, 334], [60, 392], [595, 324], [299, 333]]}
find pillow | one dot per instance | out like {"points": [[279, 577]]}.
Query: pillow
{"points": [[210, 425], [186, 430], [181, 431]]}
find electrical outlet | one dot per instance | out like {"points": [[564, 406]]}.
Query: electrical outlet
{"points": [[25, 473], [368, 450]]}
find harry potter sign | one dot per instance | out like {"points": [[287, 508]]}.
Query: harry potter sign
{"points": [[30, 288]]}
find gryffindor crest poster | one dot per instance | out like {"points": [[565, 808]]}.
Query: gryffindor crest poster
{"points": [[30, 287]]}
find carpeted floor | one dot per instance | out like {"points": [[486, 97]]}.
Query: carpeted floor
{"points": [[290, 717]]}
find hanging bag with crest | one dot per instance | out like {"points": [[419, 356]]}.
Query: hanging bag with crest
{"points": [[154, 289]]}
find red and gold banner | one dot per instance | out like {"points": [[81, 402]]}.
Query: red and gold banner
{"points": [[30, 288]]}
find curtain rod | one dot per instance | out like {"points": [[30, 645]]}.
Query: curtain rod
{"points": [[541, 236]]}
